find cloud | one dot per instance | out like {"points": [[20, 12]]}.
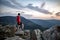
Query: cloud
{"points": [[38, 9], [58, 14], [10, 3], [43, 4], [16, 3]]}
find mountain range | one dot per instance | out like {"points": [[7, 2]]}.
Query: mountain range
{"points": [[10, 20], [29, 23]]}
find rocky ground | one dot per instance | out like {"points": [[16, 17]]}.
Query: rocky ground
{"points": [[9, 32]]}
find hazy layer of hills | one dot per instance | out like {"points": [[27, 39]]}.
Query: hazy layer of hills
{"points": [[46, 23]]}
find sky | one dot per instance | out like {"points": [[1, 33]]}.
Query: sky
{"points": [[31, 9]]}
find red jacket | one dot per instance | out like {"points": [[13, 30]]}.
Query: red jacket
{"points": [[18, 19]]}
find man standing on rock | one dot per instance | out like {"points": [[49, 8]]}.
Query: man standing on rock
{"points": [[19, 23]]}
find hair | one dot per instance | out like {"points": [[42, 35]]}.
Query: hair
{"points": [[18, 13]]}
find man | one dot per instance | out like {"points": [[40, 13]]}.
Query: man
{"points": [[18, 20]]}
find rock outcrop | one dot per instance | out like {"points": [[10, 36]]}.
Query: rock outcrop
{"points": [[52, 34]]}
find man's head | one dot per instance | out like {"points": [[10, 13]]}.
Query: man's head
{"points": [[18, 13]]}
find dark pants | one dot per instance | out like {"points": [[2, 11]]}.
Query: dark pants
{"points": [[19, 26]]}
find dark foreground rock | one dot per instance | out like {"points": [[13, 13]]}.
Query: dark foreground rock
{"points": [[7, 31]]}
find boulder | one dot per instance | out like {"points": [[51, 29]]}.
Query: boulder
{"points": [[20, 33], [27, 34], [36, 34]]}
